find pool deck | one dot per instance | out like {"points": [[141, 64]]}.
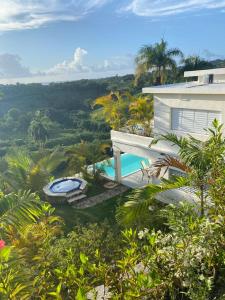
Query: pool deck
{"points": [[135, 180]]}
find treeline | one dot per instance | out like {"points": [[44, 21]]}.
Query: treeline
{"points": [[65, 96]]}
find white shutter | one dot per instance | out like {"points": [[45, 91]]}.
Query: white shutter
{"points": [[212, 115], [200, 122], [188, 120], [193, 121], [176, 118]]}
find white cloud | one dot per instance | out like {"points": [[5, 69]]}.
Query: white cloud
{"points": [[157, 8], [115, 63], [12, 70], [76, 65], [11, 67], [27, 14]]}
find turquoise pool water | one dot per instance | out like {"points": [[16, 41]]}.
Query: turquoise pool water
{"points": [[129, 164]]}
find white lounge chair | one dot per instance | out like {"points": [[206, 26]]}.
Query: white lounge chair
{"points": [[145, 169]]}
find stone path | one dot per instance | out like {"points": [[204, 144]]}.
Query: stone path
{"points": [[91, 201]]}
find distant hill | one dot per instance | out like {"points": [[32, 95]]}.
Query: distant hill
{"points": [[74, 95], [218, 63]]}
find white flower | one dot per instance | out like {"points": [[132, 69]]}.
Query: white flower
{"points": [[142, 233]]}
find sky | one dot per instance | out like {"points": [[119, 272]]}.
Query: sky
{"points": [[65, 40]]}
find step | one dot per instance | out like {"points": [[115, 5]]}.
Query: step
{"points": [[77, 198], [71, 194]]}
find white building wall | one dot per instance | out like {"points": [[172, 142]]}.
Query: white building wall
{"points": [[164, 103]]}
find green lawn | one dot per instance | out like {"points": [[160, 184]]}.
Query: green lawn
{"points": [[94, 214]]}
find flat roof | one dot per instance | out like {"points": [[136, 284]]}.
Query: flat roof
{"points": [[218, 71], [193, 87]]}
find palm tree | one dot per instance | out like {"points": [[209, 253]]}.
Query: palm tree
{"points": [[24, 172], [115, 108], [197, 159], [157, 58], [192, 63], [141, 112], [82, 155]]}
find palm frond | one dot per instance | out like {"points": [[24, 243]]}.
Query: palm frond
{"points": [[19, 209], [166, 163], [136, 209]]}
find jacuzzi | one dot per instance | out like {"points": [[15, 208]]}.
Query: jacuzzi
{"points": [[65, 189]]}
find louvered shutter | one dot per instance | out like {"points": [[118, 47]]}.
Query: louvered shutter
{"points": [[212, 115], [177, 119], [193, 121], [200, 121], [188, 120]]}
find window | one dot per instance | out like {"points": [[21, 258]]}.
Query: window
{"points": [[189, 120]]}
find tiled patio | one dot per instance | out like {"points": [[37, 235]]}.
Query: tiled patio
{"points": [[135, 180]]}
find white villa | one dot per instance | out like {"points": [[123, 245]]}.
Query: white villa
{"points": [[183, 108]]}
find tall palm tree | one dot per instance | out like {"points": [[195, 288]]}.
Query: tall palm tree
{"points": [[196, 158], [157, 58]]}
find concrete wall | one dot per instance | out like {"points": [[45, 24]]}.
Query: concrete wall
{"points": [[218, 78], [163, 104]]}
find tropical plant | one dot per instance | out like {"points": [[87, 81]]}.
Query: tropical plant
{"points": [[115, 108], [192, 63], [141, 113], [83, 155], [18, 210], [24, 172], [121, 110], [15, 280], [140, 211], [197, 159], [157, 58]]}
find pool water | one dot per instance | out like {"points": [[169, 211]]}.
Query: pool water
{"points": [[66, 185], [129, 164]]}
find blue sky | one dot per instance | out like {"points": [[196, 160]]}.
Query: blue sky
{"points": [[59, 40]]}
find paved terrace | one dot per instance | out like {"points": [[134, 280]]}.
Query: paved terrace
{"points": [[135, 181]]}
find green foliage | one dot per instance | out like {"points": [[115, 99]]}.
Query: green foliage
{"points": [[17, 210], [159, 58], [82, 155], [140, 210], [24, 172], [123, 111], [201, 161]]}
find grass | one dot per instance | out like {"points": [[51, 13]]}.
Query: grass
{"points": [[94, 214]]}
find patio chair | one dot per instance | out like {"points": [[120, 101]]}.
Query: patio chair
{"points": [[145, 164], [145, 169], [145, 173]]}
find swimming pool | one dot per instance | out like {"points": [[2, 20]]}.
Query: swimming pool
{"points": [[129, 164]]}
